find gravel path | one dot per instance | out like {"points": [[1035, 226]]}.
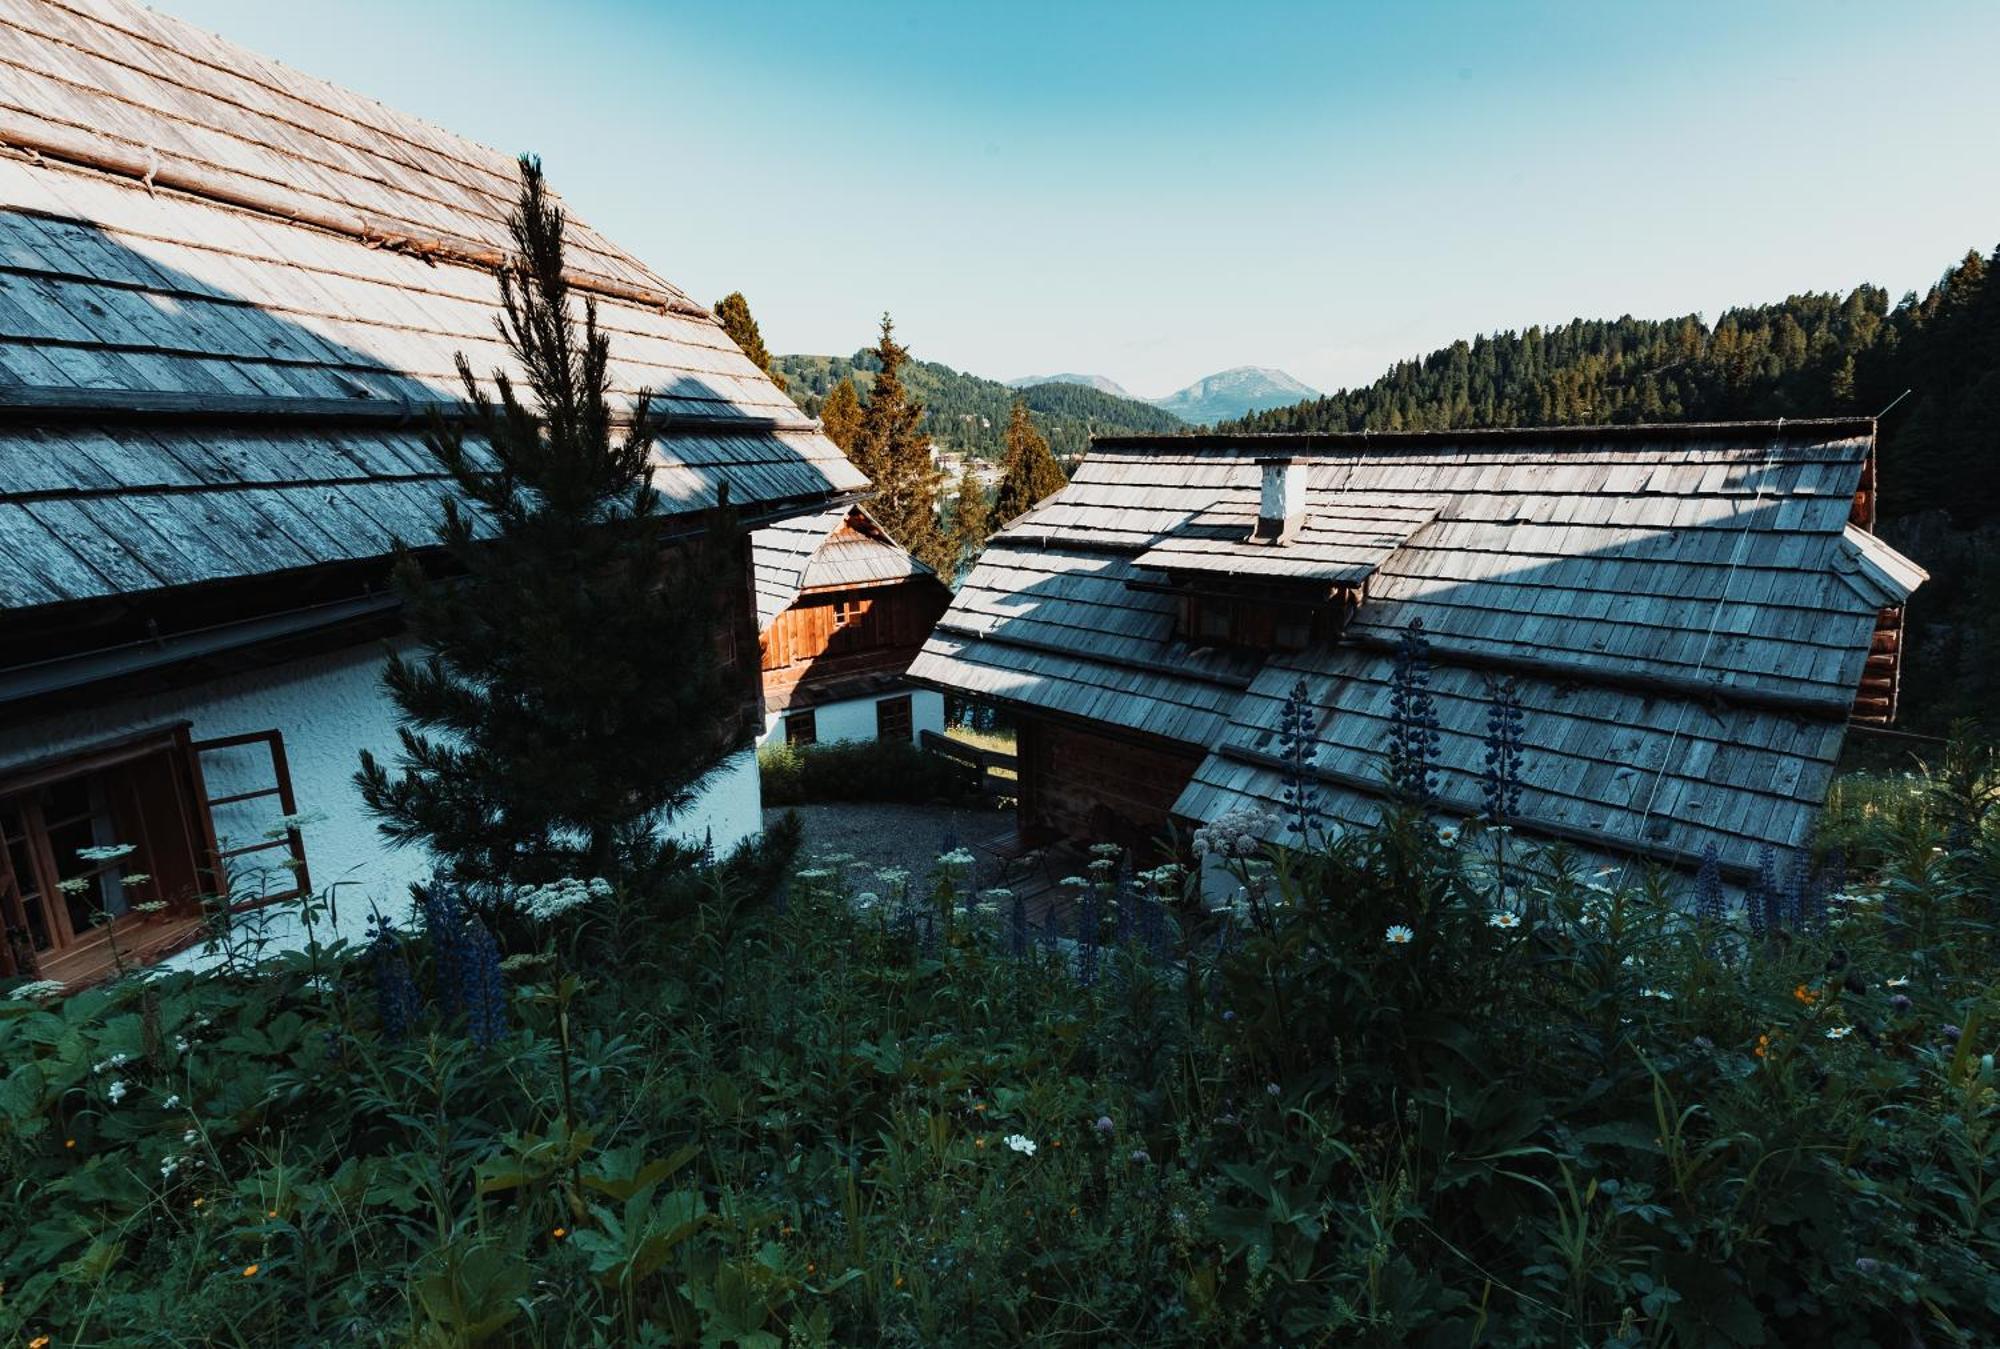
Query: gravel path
{"points": [[910, 837]]}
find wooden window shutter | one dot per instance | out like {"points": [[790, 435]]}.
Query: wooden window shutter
{"points": [[256, 820]]}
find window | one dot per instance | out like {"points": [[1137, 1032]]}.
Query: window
{"points": [[846, 613], [892, 718], [1260, 625], [106, 856], [801, 728]]}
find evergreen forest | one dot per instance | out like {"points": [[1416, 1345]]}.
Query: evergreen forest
{"points": [[1930, 363], [969, 415]]}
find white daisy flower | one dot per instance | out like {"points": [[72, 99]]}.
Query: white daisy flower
{"points": [[1839, 1032], [1503, 919], [1398, 935]]}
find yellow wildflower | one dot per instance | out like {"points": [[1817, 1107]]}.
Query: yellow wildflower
{"points": [[559, 1233], [250, 1271]]}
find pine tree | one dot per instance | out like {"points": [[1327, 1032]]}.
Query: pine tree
{"points": [[733, 312], [571, 694], [971, 520], [840, 415], [891, 447], [1028, 472]]}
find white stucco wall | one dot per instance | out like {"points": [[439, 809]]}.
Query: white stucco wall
{"points": [[730, 808], [328, 709], [854, 718]]}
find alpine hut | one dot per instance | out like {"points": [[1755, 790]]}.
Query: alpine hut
{"points": [[842, 610], [1690, 617], [230, 298]]}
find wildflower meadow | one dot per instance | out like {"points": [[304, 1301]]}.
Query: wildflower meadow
{"points": [[1417, 1083]]}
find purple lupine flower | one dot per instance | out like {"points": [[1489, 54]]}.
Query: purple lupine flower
{"points": [[397, 1003], [1298, 743], [1413, 724], [1798, 884], [1104, 1124], [486, 987], [1500, 783], [1708, 886], [1901, 1002], [444, 924]]}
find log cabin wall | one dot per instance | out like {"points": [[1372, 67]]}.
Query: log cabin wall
{"points": [[1096, 788], [1881, 677], [832, 635]]}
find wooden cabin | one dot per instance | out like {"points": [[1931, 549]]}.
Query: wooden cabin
{"points": [[230, 298], [1692, 615], [842, 610]]}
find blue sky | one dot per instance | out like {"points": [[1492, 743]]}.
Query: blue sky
{"points": [[1157, 192]]}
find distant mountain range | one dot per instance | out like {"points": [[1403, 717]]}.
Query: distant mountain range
{"points": [[968, 414], [1097, 382], [1213, 398]]}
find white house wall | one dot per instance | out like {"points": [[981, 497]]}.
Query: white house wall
{"points": [[854, 718], [328, 708]]}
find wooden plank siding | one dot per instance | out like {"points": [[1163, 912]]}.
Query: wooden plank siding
{"points": [[1096, 786]]}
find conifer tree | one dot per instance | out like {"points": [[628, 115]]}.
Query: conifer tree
{"points": [[891, 447], [571, 693], [733, 312], [1028, 472], [971, 520], [840, 415]]}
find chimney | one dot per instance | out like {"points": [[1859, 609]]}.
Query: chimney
{"points": [[1282, 508]]}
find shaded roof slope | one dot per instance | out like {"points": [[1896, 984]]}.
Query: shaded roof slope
{"points": [[199, 382]]}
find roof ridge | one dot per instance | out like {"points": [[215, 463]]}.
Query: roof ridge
{"points": [[105, 151]]}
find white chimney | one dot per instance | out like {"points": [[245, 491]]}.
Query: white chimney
{"points": [[1282, 508]]}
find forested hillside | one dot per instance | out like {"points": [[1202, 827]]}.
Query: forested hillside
{"points": [[966, 413], [1810, 356]]}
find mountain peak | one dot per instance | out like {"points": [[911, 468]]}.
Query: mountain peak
{"points": [[1236, 392], [1097, 382]]}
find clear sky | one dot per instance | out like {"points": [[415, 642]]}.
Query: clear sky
{"points": [[1155, 192]]}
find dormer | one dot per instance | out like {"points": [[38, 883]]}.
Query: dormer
{"points": [[1281, 570]]}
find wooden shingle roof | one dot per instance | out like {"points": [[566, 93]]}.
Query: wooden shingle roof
{"points": [[1687, 611], [231, 294]]}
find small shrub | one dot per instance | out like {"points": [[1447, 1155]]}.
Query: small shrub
{"points": [[858, 770]]}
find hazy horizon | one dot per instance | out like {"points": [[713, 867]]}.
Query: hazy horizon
{"points": [[1157, 193]]}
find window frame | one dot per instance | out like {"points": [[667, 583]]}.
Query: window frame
{"points": [[905, 705], [805, 718], [150, 790]]}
